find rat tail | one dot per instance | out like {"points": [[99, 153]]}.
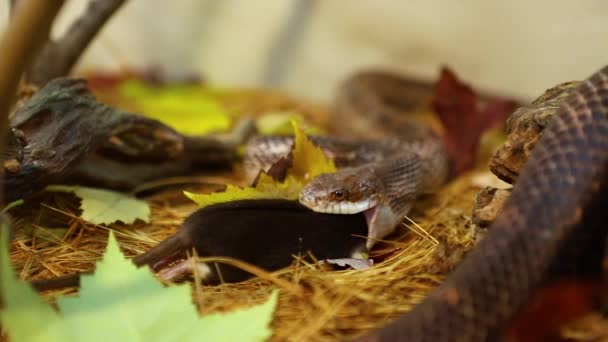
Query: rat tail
{"points": [[164, 249], [70, 280]]}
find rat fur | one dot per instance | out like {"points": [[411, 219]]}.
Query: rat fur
{"points": [[266, 233]]}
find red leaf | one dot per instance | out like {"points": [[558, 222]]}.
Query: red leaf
{"points": [[458, 108], [99, 80], [552, 307]]}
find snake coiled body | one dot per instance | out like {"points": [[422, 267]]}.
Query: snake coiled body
{"points": [[553, 225], [380, 177]]}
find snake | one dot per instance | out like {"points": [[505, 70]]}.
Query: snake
{"points": [[552, 226], [379, 177]]}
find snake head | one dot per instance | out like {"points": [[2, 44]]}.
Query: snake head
{"points": [[348, 191]]}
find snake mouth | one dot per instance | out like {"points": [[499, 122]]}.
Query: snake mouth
{"points": [[338, 207]]}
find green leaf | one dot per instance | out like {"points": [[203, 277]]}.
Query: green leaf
{"points": [[185, 108], [131, 301], [308, 162], [105, 206], [24, 315], [249, 324], [122, 303]]}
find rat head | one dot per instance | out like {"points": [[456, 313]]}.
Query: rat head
{"points": [[348, 191]]}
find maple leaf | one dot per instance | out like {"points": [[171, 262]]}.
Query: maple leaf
{"points": [[308, 162], [104, 206], [551, 307], [22, 310], [266, 188], [458, 109], [121, 302]]}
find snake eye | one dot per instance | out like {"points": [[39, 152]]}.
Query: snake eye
{"points": [[339, 194]]}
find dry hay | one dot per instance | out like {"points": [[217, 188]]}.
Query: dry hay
{"points": [[316, 303]]}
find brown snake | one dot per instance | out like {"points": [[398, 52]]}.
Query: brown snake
{"points": [[552, 226], [379, 177]]}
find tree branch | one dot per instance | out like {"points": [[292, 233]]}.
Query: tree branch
{"points": [[25, 34], [18, 45], [12, 6], [59, 57]]}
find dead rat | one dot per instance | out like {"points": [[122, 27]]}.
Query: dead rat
{"points": [[265, 233]]}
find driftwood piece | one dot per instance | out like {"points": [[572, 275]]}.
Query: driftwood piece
{"points": [[524, 127], [63, 135], [488, 203]]}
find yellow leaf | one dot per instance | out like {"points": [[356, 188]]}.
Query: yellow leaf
{"points": [[280, 123], [266, 188], [308, 162], [185, 108]]}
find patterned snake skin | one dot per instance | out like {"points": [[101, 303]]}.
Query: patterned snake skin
{"points": [[379, 177], [553, 226]]}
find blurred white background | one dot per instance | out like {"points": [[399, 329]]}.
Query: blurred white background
{"points": [[518, 47]]}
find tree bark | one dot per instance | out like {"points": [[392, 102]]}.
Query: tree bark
{"points": [[59, 57]]}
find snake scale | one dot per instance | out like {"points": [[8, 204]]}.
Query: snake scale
{"points": [[552, 226], [379, 177]]}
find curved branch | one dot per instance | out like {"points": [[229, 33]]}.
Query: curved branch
{"points": [[59, 57]]}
